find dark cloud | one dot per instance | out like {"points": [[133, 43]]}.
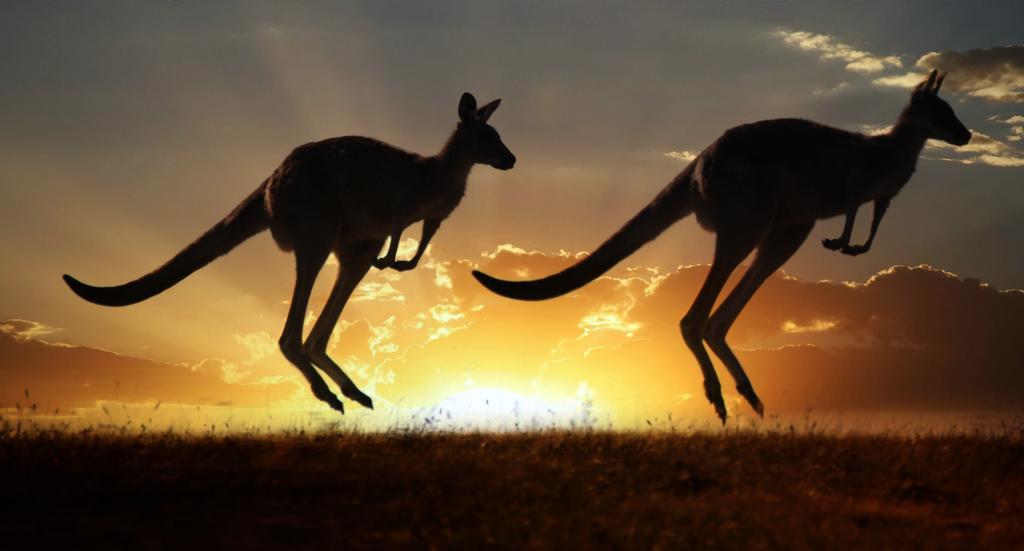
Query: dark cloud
{"points": [[995, 73], [59, 376], [907, 337]]}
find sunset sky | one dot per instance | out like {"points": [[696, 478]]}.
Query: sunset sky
{"points": [[126, 130]]}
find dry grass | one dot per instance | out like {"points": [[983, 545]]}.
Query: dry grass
{"points": [[555, 489]]}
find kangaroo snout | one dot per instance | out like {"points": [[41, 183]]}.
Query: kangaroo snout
{"points": [[963, 138], [506, 163]]}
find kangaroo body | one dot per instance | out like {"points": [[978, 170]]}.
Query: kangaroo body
{"points": [[793, 171], [345, 195], [360, 187], [761, 187]]}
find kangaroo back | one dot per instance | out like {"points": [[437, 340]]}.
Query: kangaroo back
{"points": [[248, 219], [671, 205]]}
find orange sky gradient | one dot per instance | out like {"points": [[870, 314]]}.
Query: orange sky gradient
{"points": [[126, 131]]}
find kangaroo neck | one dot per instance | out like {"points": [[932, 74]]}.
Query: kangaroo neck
{"points": [[906, 141], [901, 148], [453, 164], [896, 159]]}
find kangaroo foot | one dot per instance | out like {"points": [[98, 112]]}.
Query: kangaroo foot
{"points": [[348, 388], [325, 395], [854, 250], [357, 396], [714, 395], [747, 391]]}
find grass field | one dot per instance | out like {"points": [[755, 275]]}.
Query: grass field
{"points": [[556, 489]]}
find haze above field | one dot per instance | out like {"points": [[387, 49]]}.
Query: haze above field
{"points": [[126, 130]]}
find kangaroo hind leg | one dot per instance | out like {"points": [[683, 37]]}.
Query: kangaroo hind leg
{"points": [[777, 247], [730, 249], [308, 261], [355, 261]]}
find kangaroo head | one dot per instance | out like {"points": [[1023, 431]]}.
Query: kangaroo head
{"points": [[932, 115], [479, 140]]}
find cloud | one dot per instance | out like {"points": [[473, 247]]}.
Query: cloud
{"points": [[63, 377], [1014, 119], [816, 326], [377, 291], [684, 155], [983, 149], [907, 337], [829, 48], [906, 80], [990, 160], [1016, 132], [995, 74], [833, 90], [876, 130], [260, 346], [609, 317], [25, 329]]}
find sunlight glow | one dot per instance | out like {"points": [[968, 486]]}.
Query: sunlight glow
{"points": [[504, 410]]}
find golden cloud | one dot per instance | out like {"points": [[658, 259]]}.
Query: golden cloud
{"points": [[828, 48]]}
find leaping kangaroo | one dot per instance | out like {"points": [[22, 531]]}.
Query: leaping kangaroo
{"points": [[762, 186], [346, 195]]}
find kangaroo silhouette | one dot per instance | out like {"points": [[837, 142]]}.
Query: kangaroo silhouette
{"points": [[762, 186], [347, 195]]}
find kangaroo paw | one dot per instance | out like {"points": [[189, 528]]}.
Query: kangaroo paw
{"points": [[833, 244], [854, 250], [382, 263], [357, 396]]}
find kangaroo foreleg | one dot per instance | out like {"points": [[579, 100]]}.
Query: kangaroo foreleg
{"points": [[881, 205], [429, 229], [388, 260], [843, 241]]}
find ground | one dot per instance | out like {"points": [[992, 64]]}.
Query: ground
{"points": [[554, 489]]}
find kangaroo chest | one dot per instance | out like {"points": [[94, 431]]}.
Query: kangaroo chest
{"points": [[889, 182], [431, 202]]}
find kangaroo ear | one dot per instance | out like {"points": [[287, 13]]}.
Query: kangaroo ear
{"points": [[486, 111], [938, 83], [925, 87], [467, 107]]}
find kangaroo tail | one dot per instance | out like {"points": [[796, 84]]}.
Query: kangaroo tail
{"points": [[248, 219], [669, 207]]}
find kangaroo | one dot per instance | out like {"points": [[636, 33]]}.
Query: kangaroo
{"points": [[762, 186], [347, 195]]}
